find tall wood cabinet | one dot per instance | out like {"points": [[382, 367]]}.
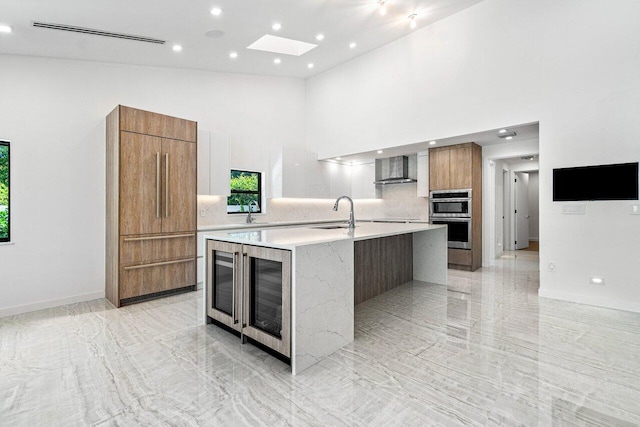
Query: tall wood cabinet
{"points": [[151, 205], [457, 167]]}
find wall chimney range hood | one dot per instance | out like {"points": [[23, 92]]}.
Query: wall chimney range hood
{"points": [[394, 170]]}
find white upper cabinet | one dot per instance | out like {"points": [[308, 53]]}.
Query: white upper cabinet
{"points": [[423, 174], [362, 186], [213, 163], [288, 173], [297, 173]]}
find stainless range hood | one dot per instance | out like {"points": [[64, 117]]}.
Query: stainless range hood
{"points": [[394, 170]]}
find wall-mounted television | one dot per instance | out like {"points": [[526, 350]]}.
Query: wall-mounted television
{"points": [[603, 182]]}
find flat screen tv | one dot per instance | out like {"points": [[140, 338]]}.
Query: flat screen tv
{"points": [[603, 182]]}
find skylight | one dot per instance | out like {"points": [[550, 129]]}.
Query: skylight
{"points": [[269, 43]]}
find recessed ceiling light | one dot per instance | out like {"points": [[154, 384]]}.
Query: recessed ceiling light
{"points": [[216, 11], [509, 137], [502, 131], [379, 151], [276, 26], [277, 61], [320, 37], [5, 29], [310, 65], [382, 7], [233, 55], [432, 142], [352, 45], [177, 48], [412, 20], [338, 158]]}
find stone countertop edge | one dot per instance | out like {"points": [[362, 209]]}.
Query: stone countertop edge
{"points": [[290, 238]]}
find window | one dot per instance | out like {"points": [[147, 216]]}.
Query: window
{"points": [[4, 191], [246, 190]]}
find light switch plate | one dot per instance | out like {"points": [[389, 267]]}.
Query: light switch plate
{"points": [[574, 209]]}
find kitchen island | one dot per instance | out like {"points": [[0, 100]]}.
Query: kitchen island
{"points": [[320, 291]]}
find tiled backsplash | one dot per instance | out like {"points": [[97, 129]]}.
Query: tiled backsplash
{"points": [[398, 201]]}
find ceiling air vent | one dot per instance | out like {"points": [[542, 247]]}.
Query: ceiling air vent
{"points": [[94, 32]]}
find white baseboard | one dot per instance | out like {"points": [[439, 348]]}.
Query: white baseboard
{"points": [[591, 300], [533, 239], [19, 309]]}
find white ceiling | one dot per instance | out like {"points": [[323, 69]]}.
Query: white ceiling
{"points": [[485, 138], [243, 22]]}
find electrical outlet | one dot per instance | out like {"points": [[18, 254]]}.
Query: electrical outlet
{"points": [[203, 212], [635, 210], [573, 209]]}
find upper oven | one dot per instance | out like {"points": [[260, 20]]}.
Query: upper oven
{"points": [[450, 203]]}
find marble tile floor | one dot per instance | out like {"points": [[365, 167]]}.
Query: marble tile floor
{"points": [[485, 350]]}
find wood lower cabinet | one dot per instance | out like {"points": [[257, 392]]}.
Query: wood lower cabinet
{"points": [[153, 278], [151, 205], [381, 265], [249, 290]]}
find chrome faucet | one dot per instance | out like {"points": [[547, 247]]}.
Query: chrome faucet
{"points": [[250, 218], [352, 221]]}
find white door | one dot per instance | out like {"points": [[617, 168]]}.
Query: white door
{"points": [[522, 210]]}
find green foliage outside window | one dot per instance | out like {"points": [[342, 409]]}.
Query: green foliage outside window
{"points": [[245, 188], [4, 191]]}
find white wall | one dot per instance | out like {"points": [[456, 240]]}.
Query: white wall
{"points": [[571, 65], [53, 113], [534, 208], [498, 239]]}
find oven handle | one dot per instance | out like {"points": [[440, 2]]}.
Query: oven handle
{"points": [[451, 219], [460, 199]]}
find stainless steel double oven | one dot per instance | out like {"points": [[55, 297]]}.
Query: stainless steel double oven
{"points": [[453, 208]]}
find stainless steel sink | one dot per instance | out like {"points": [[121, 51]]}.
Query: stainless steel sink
{"points": [[330, 227]]}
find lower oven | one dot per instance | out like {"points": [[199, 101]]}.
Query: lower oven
{"points": [[458, 231]]}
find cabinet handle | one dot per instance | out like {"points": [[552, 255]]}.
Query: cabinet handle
{"points": [[233, 294], [245, 274], [157, 185], [166, 185], [156, 264], [173, 236]]}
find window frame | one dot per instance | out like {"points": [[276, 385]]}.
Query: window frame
{"points": [[258, 192], [8, 145]]}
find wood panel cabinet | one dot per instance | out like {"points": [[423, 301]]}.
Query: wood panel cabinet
{"points": [[151, 205], [439, 175], [458, 167], [381, 264]]}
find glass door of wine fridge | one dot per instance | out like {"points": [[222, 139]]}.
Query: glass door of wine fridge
{"points": [[224, 284], [267, 297]]}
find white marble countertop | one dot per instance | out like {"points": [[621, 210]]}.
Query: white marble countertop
{"points": [[259, 225], [290, 238]]}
